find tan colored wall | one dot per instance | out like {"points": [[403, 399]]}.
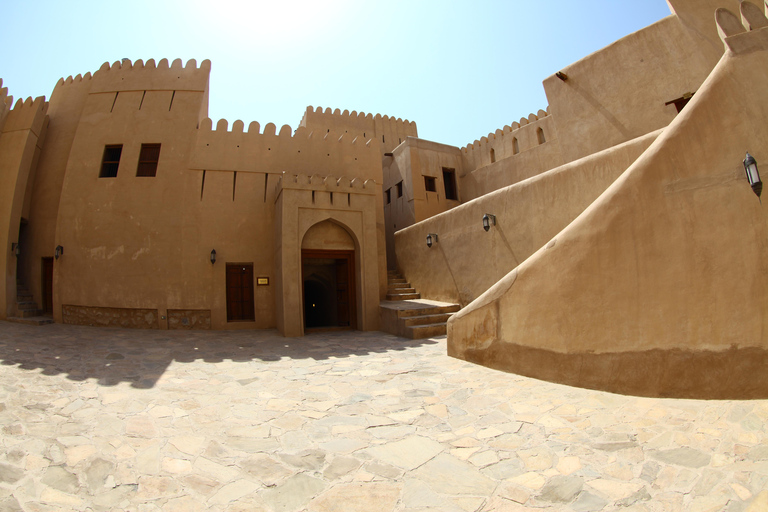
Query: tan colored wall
{"points": [[22, 134], [619, 93], [510, 168], [64, 108], [660, 286], [303, 202], [467, 261], [390, 132]]}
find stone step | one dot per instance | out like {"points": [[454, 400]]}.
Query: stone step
{"points": [[435, 310], [404, 284], [437, 318], [400, 280], [26, 304], [395, 291], [28, 313], [24, 297], [34, 320], [427, 331], [403, 296]]}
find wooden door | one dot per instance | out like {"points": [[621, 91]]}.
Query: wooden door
{"points": [[342, 291], [47, 283], [240, 292]]}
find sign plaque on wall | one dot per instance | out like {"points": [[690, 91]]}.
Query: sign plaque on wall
{"points": [[262, 281]]}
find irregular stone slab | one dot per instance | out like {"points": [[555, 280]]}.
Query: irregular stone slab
{"points": [[505, 469], [613, 489], [360, 497], [233, 492], [448, 475], [685, 456], [561, 489], [96, 473], [61, 479], [588, 502], [294, 493], [266, 469], [409, 453], [10, 474], [341, 466], [308, 459]]}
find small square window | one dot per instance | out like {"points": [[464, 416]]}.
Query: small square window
{"points": [[150, 154], [110, 161], [388, 195], [400, 189], [430, 184]]}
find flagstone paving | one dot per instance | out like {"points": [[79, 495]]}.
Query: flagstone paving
{"points": [[102, 419]]}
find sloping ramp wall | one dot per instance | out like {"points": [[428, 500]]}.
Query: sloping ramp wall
{"points": [[660, 288], [466, 260]]}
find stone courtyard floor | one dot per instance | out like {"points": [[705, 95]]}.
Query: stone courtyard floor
{"points": [[105, 419]]}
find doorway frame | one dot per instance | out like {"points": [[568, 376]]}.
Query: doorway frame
{"points": [[348, 255]]}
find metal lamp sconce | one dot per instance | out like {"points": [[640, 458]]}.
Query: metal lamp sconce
{"points": [[750, 167], [213, 256], [488, 221], [58, 252], [16, 249], [431, 239]]}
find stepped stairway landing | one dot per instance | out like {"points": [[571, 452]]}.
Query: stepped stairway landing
{"points": [[27, 311], [407, 315]]}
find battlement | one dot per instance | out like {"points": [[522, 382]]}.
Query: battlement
{"points": [[272, 151], [745, 34], [508, 129], [139, 75], [353, 118], [326, 183], [28, 114]]}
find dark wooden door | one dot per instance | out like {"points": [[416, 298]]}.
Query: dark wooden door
{"points": [[240, 292], [48, 286]]}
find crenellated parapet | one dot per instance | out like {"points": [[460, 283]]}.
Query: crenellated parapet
{"points": [[746, 33], [521, 135], [389, 131], [273, 151], [26, 114], [141, 76]]}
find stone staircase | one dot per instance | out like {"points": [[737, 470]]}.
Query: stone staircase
{"points": [[407, 315], [398, 288], [27, 311]]}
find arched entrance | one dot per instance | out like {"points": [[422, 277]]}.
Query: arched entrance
{"points": [[328, 277]]}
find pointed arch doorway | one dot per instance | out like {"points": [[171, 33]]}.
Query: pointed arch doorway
{"points": [[328, 278]]}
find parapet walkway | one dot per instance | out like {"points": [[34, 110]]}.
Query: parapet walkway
{"points": [[107, 419]]}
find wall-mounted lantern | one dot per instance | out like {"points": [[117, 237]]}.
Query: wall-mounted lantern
{"points": [[213, 256], [16, 249], [488, 221], [58, 252], [750, 167], [431, 239]]}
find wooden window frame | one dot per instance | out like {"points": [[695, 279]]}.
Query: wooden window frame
{"points": [[148, 160], [110, 165]]}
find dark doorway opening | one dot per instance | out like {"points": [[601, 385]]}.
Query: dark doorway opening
{"points": [[47, 285], [329, 289], [240, 292]]}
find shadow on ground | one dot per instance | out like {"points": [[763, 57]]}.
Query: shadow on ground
{"points": [[141, 356]]}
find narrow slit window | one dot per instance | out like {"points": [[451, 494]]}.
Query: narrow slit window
{"points": [[493, 155], [400, 189], [515, 146], [449, 179], [148, 158], [540, 135], [388, 195], [430, 184], [110, 161]]}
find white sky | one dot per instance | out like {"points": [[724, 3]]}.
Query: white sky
{"points": [[460, 69]]}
